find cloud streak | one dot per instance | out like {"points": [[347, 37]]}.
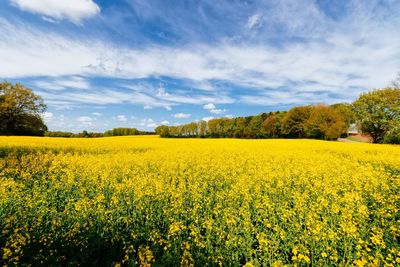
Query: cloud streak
{"points": [[341, 62], [181, 116], [72, 10]]}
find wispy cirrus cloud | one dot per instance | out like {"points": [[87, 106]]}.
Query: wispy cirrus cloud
{"points": [[62, 83], [263, 53], [254, 21], [340, 62]]}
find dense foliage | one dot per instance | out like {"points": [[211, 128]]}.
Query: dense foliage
{"points": [[319, 121], [20, 111], [378, 114], [122, 132], [71, 135], [86, 134], [168, 202]]}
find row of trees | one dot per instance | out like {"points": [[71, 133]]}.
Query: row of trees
{"points": [[320, 121], [376, 113], [86, 134]]}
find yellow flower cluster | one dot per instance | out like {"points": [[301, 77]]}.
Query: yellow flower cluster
{"points": [[144, 200]]}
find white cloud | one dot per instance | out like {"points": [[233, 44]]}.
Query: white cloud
{"points": [[152, 125], [72, 10], [181, 115], [198, 98], [149, 123], [254, 21], [161, 92], [340, 60], [207, 118], [147, 107], [100, 96], [121, 118], [209, 106], [165, 123], [59, 122], [49, 19], [344, 60], [218, 111], [85, 121], [213, 109], [74, 82], [47, 116], [274, 98], [97, 114]]}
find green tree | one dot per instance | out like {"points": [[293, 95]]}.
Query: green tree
{"points": [[192, 129], [294, 123], [216, 126], [255, 127], [20, 110], [122, 132], [162, 130], [393, 135], [325, 123], [378, 112], [273, 124], [229, 128], [345, 110], [202, 128], [240, 126]]}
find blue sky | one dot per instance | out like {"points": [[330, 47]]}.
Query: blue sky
{"points": [[142, 63]]}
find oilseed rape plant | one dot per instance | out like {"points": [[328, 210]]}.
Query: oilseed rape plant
{"points": [[147, 201]]}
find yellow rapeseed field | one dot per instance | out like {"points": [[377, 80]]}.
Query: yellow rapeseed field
{"points": [[167, 202]]}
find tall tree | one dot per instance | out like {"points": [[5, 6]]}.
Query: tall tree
{"points": [[20, 110], [346, 111], [273, 124], [325, 123], [202, 128], [294, 123], [255, 127], [377, 111]]}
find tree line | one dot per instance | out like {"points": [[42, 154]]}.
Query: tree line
{"points": [[319, 121], [86, 134], [376, 113]]}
